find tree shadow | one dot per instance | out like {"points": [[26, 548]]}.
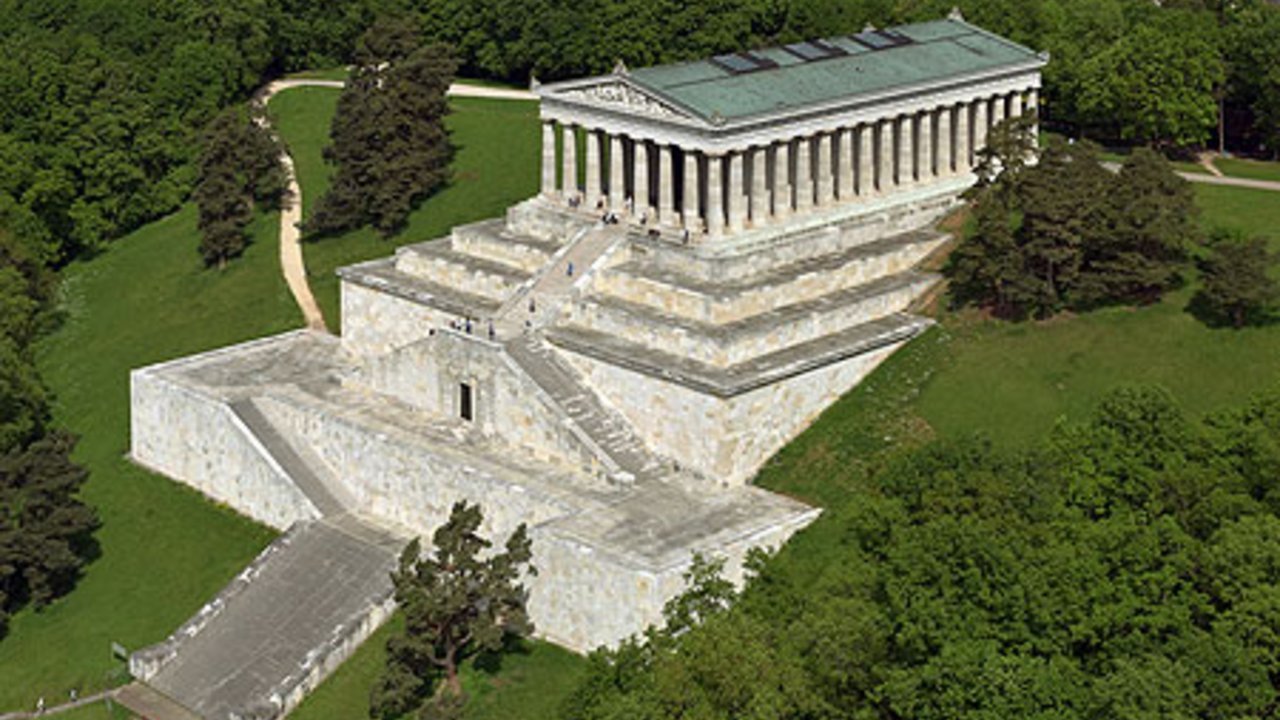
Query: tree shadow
{"points": [[490, 662]]}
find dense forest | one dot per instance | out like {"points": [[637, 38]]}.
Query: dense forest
{"points": [[1122, 568]]}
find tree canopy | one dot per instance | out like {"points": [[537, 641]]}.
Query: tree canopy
{"points": [[1124, 567], [389, 141], [458, 600]]}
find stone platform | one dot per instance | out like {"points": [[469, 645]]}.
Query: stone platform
{"points": [[615, 390]]}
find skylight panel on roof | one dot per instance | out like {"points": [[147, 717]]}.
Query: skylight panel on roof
{"points": [[881, 39], [738, 63], [813, 50]]}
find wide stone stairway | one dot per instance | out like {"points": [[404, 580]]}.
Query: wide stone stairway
{"points": [[287, 620]]}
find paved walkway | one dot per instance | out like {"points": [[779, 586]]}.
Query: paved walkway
{"points": [[291, 262], [1215, 179], [59, 709]]}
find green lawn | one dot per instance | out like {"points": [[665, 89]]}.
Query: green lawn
{"points": [[164, 549], [96, 711], [496, 166], [1012, 382], [527, 684], [1252, 169]]}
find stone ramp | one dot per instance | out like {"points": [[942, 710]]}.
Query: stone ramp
{"points": [[290, 619], [306, 470], [145, 702], [606, 428], [552, 285]]}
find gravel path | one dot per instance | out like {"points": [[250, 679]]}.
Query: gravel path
{"points": [[291, 261]]}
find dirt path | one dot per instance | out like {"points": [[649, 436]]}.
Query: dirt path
{"points": [[1271, 185], [291, 262]]}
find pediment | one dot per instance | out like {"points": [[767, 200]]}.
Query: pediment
{"points": [[623, 95]]}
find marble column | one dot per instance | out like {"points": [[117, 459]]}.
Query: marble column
{"points": [[906, 150], [866, 160], [943, 155], [735, 201], [782, 180], [689, 209], [548, 158], [964, 129], [998, 110], [1033, 109], [823, 184], [594, 140], [715, 195], [617, 185], [640, 188], [570, 155], [844, 164], [1015, 105], [980, 127], [804, 176], [884, 164], [666, 189], [924, 153], [759, 188]]}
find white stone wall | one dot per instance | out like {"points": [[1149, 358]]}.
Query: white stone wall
{"points": [[194, 438], [727, 439], [508, 406], [375, 323]]}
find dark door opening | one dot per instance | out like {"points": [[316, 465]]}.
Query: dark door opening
{"points": [[464, 401]]}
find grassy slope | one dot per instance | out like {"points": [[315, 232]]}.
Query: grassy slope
{"points": [[495, 167], [1014, 381], [164, 549]]}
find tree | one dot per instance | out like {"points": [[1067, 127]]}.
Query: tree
{"points": [[1239, 279], [389, 142], [1152, 214], [456, 602], [239, 168], [44, 528], [1155, 85], [1063, 204]]}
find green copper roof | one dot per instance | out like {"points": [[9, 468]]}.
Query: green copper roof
{"points": [[937, 50]]}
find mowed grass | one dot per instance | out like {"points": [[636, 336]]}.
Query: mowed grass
{"points": [[1013, 381], [1252, 169], [527, 683], [495, 167], [165, 550]]}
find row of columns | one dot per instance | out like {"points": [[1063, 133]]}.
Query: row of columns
{"points": [[664, 185]]}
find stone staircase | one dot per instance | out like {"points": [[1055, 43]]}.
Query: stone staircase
{"points": [[657, 308], [280, 627], [299, 462], [631, 461]]}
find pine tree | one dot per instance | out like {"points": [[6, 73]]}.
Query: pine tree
{"points": [[1064, 206], [239, 168], [1152, 215], [457, 601], [44, 528], [1239, 279], [986, 268], [389, 142]]}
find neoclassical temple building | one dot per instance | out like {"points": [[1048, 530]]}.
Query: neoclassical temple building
{"points": [[756, 139], [719, 250]]}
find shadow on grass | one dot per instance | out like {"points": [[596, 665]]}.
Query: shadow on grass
{"points": [[490, 662]]}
